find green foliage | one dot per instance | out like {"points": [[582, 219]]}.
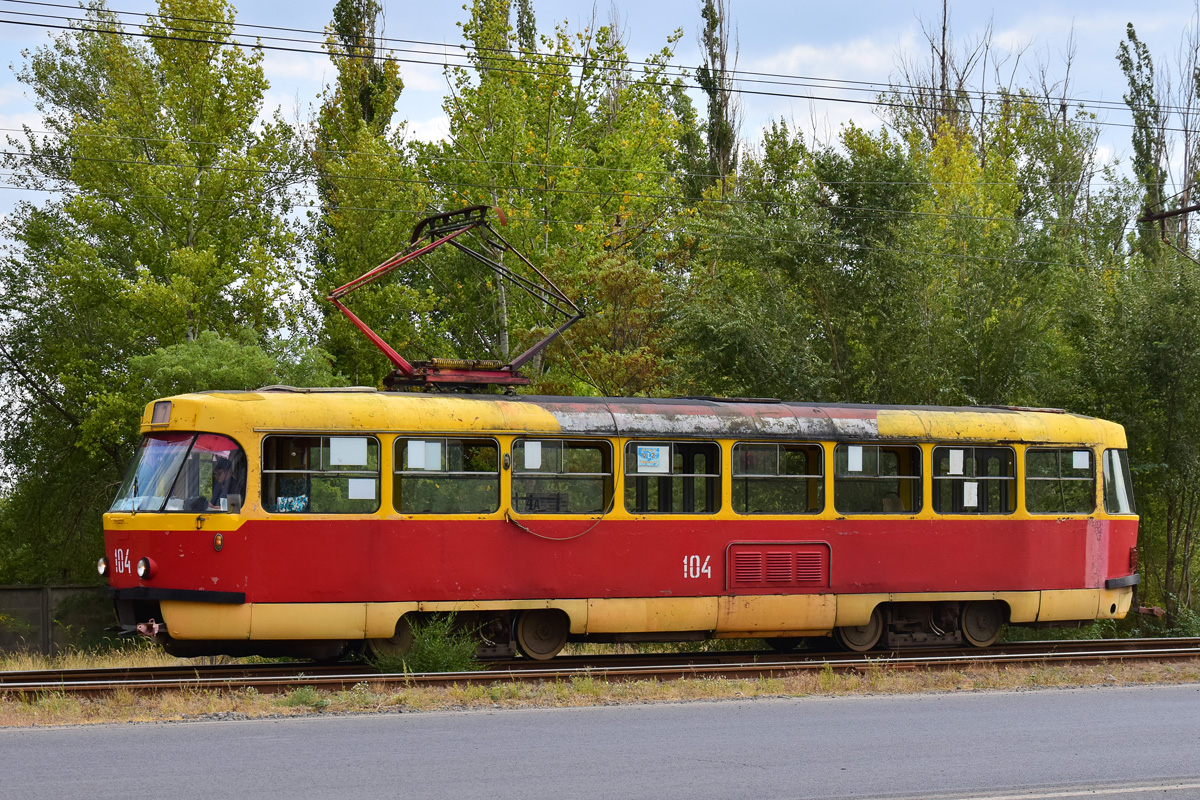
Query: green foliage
{"points": [[1149, 131], [303, 696], [1103, 629], [714, 79], [171, 243], [544, 143], [438, 645]]}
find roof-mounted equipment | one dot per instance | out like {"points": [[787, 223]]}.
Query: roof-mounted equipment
{"points": [[452, 227]]}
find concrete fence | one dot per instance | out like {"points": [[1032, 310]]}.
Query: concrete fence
{"points": [[46, 619]]}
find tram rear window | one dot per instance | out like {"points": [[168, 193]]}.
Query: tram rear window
{"points": [[1118, 484], [1059, 481], [778, 478], [446, 476], [321, 474], [184, 472], [877, 479], [672, 477], [561, 476], [974, 480]]}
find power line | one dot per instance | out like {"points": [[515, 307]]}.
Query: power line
{"points": [[458, 187], [736, 74], [79, 24]]}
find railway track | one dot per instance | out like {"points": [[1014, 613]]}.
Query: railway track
{"points": [[742, 664]]}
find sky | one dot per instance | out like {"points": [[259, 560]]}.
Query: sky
{"points": [[858, 41]]}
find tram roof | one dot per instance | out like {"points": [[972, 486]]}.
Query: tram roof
{"points": [[357, 409]]}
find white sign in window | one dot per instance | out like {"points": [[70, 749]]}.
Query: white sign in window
{"points": [[533, 455], [970, 494], [854, 458], [1081, 459], [654, 458], [956, 462], [424, 454], [347, 451], [416, 454], [361, 489]]}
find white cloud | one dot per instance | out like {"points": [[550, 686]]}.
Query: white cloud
{"points": [[860, 59], [13, 93], [10, 123], [295, 68], [423, 78], [291, 106], [1106, 154], [429, 130], [813, 103]]}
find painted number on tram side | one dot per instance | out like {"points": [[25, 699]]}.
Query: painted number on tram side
{"points": [[121, 561], [694, 568]]}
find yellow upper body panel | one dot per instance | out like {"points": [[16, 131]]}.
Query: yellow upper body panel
{"points": [[244, 413], [247, 412], [932, 424]]}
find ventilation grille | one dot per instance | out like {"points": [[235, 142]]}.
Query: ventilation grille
{"points": [[777, 566], [747, 568]]}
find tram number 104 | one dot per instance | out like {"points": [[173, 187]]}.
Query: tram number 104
{"points": [[693, 567]]}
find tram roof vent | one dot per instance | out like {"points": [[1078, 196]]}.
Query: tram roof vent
{"points": [[1028, 408], [279, 387], [765, 400]]}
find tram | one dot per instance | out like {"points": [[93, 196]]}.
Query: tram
{"points": [[309, 522]]}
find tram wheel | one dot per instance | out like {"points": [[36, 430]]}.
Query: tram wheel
{"points": [[397, 646], [541, 632], [784, 644], [981, 622], [861, 638]]}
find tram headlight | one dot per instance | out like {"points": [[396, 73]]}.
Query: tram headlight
{"points": [[102, 566], [145, 568]]}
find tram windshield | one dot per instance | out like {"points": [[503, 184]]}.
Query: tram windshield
{"points": [[184, 472]]}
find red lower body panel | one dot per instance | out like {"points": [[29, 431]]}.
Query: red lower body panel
{"points": [[320, 561]]}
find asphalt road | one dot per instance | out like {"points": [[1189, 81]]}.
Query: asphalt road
{"points": [[1114, 743]]}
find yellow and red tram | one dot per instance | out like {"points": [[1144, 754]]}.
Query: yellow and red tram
{"points": [[306, 521]]}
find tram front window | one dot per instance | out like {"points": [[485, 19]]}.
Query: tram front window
{"points": [[184, 472]]}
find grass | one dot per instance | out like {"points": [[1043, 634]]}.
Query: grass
{"points": [[125, 653], [59, 708]]}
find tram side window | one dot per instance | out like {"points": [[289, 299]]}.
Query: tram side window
{"points": [[974, 480], [1118, 484], [877, 479], [672, 477], [1059, 481], [446, 476], [321, 474], [778, 478], [562, 476]]}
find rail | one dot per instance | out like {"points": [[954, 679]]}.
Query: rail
{"points": [[747, 664]]}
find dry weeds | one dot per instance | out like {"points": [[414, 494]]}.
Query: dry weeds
{"points": [[58, 708]]}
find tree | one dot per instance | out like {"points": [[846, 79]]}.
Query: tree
{"points": [[716, 80], [171, 229], [1149, 133], [938, 95], [580, 153], [370, 195]]}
